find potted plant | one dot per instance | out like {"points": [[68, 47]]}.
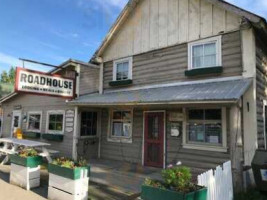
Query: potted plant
{"points": [[176, 185], [25, 168], [68, 179]]}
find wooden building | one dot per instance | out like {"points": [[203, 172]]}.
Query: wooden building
{"points": [[176, 80]]}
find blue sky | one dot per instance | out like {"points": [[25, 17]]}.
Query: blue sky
{"points": [[53, 31]]}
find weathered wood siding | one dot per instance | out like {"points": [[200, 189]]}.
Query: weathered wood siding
{"points": [[261, 77], [38, 103], [131, 152], [199, 160], [89, 80], [157, 24], [169, 64]]}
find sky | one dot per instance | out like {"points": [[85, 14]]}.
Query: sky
{"points": [[53, 31]]}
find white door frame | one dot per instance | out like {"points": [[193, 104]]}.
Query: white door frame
{"points": [[164, 136], [15, 113]]}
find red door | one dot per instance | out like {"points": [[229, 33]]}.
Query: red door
{"points": [[154, 139]]}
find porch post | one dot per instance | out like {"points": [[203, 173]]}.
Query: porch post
{"points": [[236, 145], [75, 135]]}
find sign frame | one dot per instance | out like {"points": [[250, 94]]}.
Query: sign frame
{"points": [[19, 69]]}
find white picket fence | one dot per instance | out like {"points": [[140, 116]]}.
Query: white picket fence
{"points": [[219, 182]]}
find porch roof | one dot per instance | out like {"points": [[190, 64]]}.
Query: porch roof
{"points": [[228, 91]]}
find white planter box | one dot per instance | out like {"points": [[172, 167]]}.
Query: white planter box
{"points": [[63, 188], [25, 177]]}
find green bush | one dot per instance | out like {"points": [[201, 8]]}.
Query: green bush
{"points": [[178, 178]]}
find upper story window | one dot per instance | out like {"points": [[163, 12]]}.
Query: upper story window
{"points": [[122, 69], [205, 53], [34, 121]]}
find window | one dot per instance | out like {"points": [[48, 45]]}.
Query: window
{"points": [[204, 126], [122, 69], [55, 122], [205, 53], [121, 124], [88, 123], [265, 122], [34, 121]]}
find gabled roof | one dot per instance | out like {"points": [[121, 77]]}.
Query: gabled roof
{"points": [[257, 20], [228, 91]]}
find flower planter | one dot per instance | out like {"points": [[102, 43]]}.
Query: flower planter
{"points": [[153, 193], [31, 135], [53, 137], [68, 184], [31, 162], [25, 172]]}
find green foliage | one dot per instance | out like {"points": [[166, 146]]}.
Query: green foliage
{"points": [[8, 77], [178, 178], [69, 163], [28, 152], [154, 183], [251, 195]]}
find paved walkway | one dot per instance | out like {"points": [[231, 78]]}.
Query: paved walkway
{"points": [[110, 180]]}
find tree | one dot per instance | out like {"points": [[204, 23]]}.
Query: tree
{"points": [[11, 75], [8, 77], [4, 77]]}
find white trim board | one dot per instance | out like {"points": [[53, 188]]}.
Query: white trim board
{"points": [[176, 84]]}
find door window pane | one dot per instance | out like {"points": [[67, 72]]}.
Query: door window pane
{"points": [[153, 127]]}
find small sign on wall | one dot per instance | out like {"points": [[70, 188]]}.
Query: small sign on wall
{"points": [[176, 116], [70, 114]]}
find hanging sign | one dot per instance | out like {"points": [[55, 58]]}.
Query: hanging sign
{"points": [[35, 82]]}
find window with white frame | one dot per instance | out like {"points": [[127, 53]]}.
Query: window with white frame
{"points": [[205, 53], [122, 69], [55, 122], [121, 123], [204, 126], [34, 121]]}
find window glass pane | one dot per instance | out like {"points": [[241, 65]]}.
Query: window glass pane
{"points": [[205, 126], [209, 61], [213, 133], [196, 132], [34, 122], [88, 124], [210, 49], [122, 71], [117, 129], [126, 129], [196, 114], [213, 114], [117, 115], [126, 115], [198, 51], [55, 122], [16, 121]]}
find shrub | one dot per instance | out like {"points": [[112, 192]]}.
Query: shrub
{"points": [[178, 178]]}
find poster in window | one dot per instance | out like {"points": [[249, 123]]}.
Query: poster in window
{"points": [[214, 139], [126, 129], [264, 174]]}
